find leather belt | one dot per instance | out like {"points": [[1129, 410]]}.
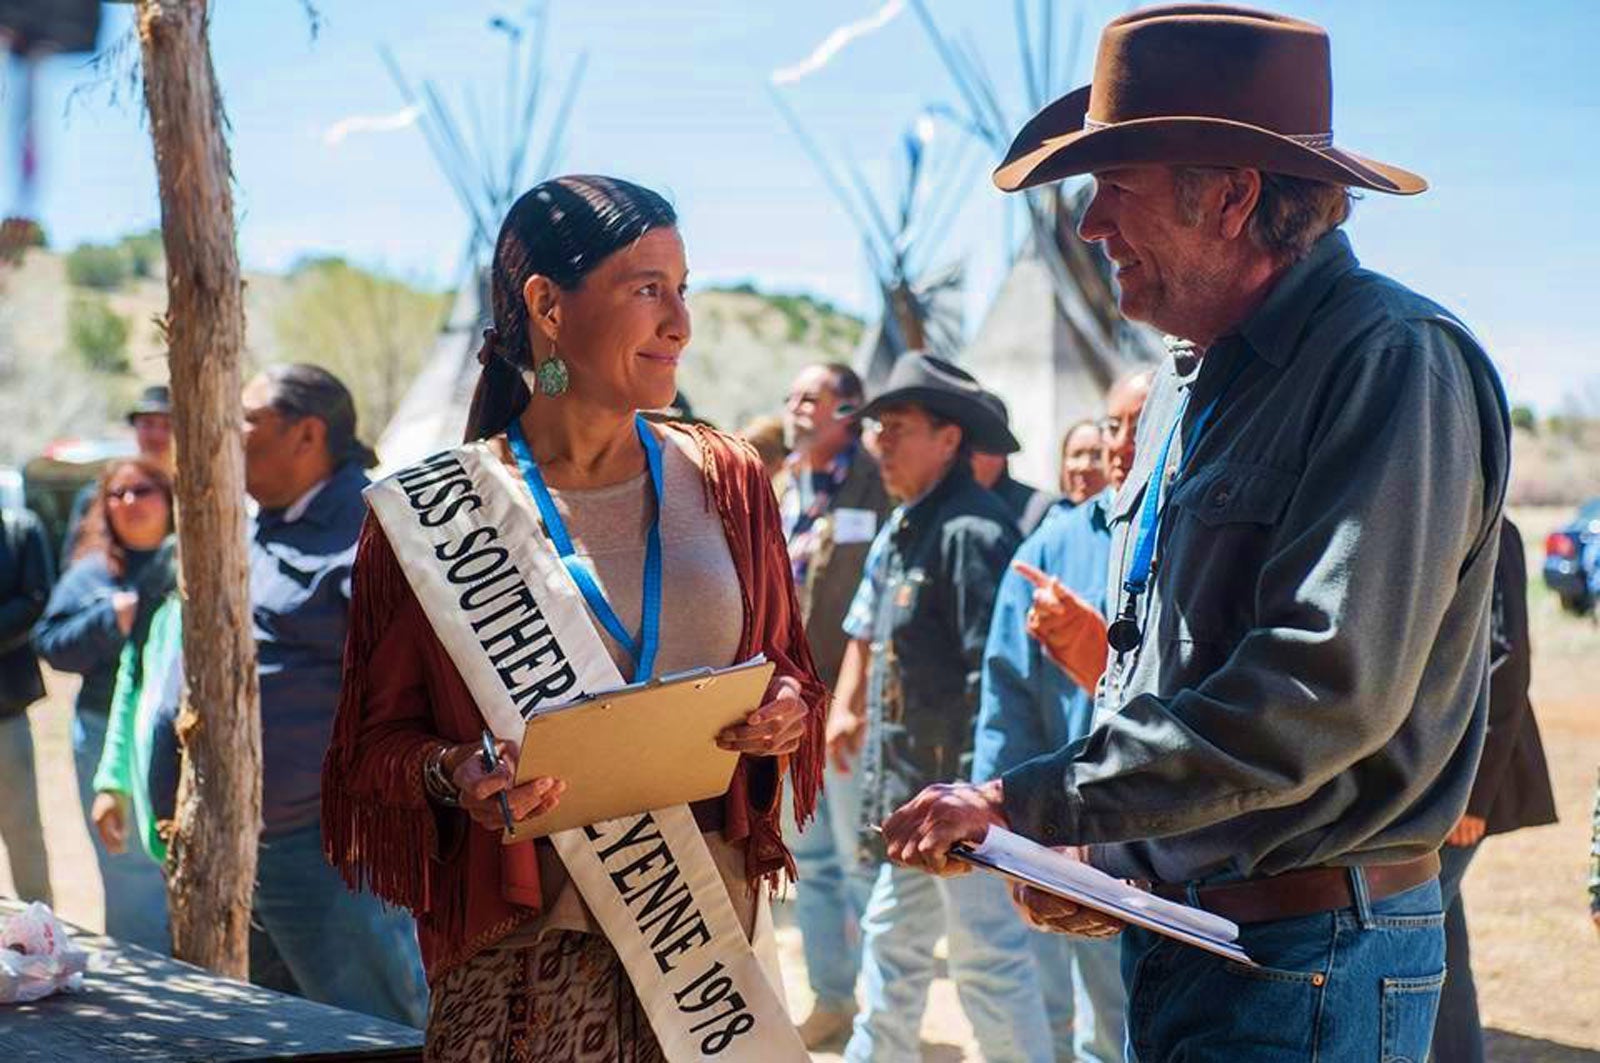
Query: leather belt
{"points": [[1307, 892]]}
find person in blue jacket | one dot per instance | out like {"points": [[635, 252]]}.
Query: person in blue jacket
{"points": [[1029, 706], [84, 627]]}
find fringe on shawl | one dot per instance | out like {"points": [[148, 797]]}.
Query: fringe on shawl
{"points": [[376, 843], [738, 484]]}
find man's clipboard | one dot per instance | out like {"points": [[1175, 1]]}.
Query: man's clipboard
{"points": [[1021, 860], [641, 747]]}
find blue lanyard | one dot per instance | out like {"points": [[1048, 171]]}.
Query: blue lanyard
{"points": [[642, 648], [1154, 504]]}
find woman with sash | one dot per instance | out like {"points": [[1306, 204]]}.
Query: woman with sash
{"points": [[671, 556]]}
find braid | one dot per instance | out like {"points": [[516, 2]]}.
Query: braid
{"points": [[561, 229]]}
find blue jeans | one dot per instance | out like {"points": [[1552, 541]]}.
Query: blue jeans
{"points": [[135, 888], [832, 890], [1361, 983], [1083, 996], [990, 963], [345, 949], [1458, 1036], [20, 826]]}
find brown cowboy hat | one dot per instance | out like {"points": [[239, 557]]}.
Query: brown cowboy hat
{"points": [[1200, 85]]}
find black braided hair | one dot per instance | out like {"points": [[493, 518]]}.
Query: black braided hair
{"points": [[562, 229]]}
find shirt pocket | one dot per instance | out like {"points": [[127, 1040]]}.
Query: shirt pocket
{"points": [[1224, 518]]}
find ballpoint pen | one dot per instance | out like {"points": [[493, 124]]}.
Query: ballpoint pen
{"points": [[491, 762]]}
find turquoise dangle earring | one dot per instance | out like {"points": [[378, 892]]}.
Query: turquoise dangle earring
{"points": [[551, 376]]}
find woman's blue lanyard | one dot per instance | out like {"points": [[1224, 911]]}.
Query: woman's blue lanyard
{"points": [[1124, 633], [642, 648]]}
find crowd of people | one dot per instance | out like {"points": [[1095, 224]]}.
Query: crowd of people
{"points": [[1261, 647], [114, 619]]}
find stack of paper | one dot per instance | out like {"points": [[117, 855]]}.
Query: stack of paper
{"points": [[1022, 860]]}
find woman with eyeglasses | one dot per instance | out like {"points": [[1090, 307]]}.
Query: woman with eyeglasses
{"points": [[87, 621]]}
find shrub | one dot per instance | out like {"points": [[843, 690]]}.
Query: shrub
{"points": [[98, 267], [143, 252], [98, 334]]}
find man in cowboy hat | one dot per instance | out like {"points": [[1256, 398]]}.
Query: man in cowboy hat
{"points": [[920, 619], [1301, 562]]}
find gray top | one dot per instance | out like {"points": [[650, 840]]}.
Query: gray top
{"points": [[1312, 684]]}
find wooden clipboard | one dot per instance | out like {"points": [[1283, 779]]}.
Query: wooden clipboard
{"points": [[639, 748]]}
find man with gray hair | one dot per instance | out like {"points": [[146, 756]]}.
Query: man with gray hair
{"points": [[833, 502], [1301, 563], [1032, 705]]}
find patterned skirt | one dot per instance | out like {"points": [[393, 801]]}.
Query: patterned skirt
{"points": [[564, 999]]}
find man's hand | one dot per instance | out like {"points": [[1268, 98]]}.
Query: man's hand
{"points": [[773, 730], [478, 787], [1057, 915], [846, 731], [1071, 632], [920, 833], [1469, 830]]}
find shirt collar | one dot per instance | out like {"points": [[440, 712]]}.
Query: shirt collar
{"points": [[959, 473], [318, 504], [1274, 330], [298, 507], [1100, 508]]}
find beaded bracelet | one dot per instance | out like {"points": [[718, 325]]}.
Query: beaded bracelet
{"points": [[438, 786]]}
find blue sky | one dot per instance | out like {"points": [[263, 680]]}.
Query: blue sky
{"points": [[1496, 104]]}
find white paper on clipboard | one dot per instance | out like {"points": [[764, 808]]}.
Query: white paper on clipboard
{"points": [[1006, 853]]}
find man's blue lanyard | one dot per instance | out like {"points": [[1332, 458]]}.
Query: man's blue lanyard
{"points": [[642, 648], [1124, 634]]}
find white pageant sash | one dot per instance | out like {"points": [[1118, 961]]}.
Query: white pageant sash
{"points": [[514, 623]]}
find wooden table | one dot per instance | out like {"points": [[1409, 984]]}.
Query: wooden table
{"points": [[141, 1006]]}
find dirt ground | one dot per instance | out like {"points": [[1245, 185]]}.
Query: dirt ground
{"points": [[1536, 955]]}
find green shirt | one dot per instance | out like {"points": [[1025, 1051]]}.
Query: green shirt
{"points": [[125, 758], [1312, 687]]}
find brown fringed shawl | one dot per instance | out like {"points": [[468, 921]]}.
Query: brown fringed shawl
{"points": [[402, 695]]}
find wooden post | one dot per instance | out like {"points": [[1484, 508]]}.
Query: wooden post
{"points": [[219, 792]]}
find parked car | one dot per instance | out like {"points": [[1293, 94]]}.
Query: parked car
{"points": [[1570, 556], [54, 479]]}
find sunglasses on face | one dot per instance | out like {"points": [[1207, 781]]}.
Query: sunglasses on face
{"points": [[129, 495]]}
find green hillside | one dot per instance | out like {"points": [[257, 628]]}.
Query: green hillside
{"points": [[80, 334]]}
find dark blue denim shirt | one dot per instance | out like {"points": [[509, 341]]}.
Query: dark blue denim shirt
{"points": [[299, 607], [1312, 688], [933, 582], [1028, 706]]}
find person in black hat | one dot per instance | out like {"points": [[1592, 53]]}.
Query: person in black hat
{"points": [[992, 469], [920, 618], [151, 420]]}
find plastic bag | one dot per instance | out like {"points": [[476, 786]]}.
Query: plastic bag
{"points": [[37, 956]]}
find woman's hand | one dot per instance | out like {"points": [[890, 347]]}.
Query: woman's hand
{"points": [[773, 730], [479, 787], [110, 821], [125, 604]]}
